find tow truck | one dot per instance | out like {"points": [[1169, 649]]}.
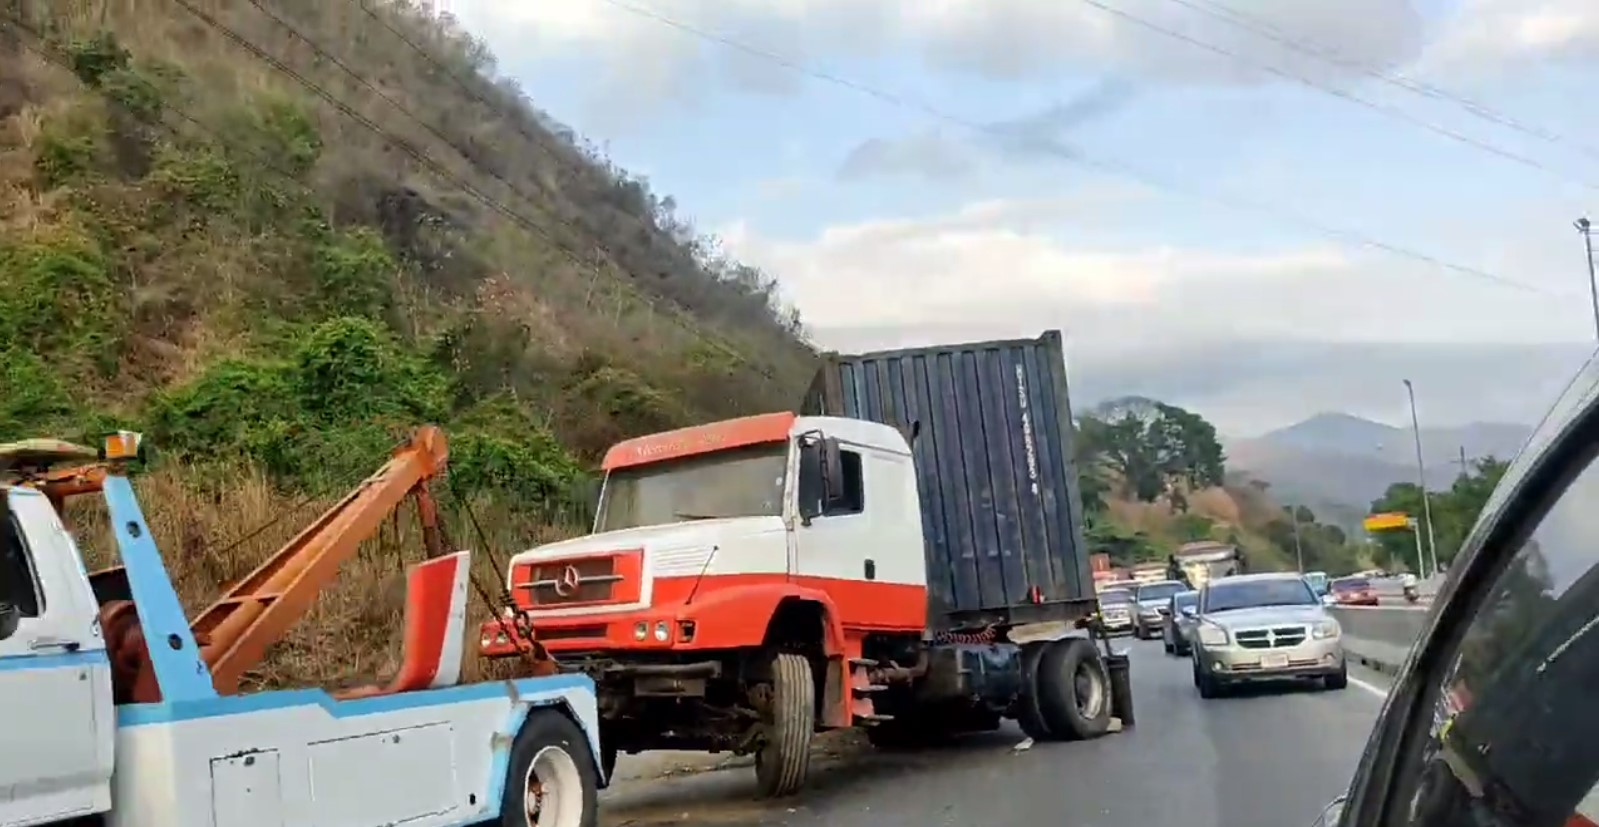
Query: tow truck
{"points": [[121, 712]]}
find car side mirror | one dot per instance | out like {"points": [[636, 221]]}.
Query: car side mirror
{"points": [[1187, 611], [10, 619], [811, 487]]}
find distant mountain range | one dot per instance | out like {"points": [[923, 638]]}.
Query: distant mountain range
{"points": [[1337, 464]]}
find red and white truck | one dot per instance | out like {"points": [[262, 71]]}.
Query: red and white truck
{"points": [[904, 554]]}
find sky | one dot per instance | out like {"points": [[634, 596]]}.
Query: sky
{"points": [[1257, 209]]}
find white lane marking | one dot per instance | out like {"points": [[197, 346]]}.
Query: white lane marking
{"points": [[1369, 687]]}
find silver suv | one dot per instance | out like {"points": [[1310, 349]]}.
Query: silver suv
{"points": [[1264, 627]]}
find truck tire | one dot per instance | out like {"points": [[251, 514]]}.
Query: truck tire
{"points": [[551, 780], [1074, 689], [1029, 709], [785, 758]]}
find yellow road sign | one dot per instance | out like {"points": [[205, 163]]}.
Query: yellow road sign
{"points": [[1387, 522]]}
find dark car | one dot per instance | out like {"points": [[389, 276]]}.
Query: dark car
{"points": [[1181, 612], [1353, 591], [1153, 599], [1492, 719]]}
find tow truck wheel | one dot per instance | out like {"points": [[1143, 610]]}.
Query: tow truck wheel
{"points": [[1074, 689], [551, 780], [785, 758]]}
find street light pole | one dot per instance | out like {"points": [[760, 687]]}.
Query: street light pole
{"points": [[1421, 474], [1299, 551], [1593, 282], [1421, 559]]}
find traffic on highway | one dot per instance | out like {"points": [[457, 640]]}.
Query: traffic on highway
{"points": [[1474, 709]]}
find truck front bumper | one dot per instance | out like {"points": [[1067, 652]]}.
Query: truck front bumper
{"points": [[1313, 658]]}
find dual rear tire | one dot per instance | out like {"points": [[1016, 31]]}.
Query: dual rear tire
{"points": [[1066, 691]]}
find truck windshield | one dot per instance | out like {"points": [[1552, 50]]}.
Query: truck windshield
{"points": [[1248, 594], [743, 482]]}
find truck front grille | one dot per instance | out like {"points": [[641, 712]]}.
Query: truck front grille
{"points": [[1276, 637], [578, 581]]}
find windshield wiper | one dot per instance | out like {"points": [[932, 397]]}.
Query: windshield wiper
{"points": [[682, 516]]}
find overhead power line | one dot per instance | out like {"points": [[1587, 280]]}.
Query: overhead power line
{"points": [[1389, 111], [1109, 166], [1275, 33]]}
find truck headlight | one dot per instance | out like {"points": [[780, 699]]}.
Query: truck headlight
{"points": [[1212, 635], [662, 632], [641, 630], [1325, 630]]}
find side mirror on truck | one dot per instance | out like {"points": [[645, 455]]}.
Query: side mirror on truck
{"points": [[821, 475], [809, 489], [10, 619]]}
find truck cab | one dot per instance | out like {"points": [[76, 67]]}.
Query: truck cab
{"points": [[703, 534], [55, 678]]}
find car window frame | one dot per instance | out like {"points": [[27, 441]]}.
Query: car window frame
{"points": [[1565, 443]]}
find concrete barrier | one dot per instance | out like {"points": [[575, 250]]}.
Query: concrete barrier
{"points": [[1380, 637]]}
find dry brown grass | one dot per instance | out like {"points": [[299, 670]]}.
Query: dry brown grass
{"points": [[214, 529]]}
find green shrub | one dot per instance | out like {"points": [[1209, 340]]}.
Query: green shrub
{"points": [[58, 300]]}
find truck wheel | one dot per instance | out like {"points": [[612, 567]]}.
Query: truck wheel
{"points": [[1337, 680], [1029, 709], [551, 780], [785, 758], [1074, 689]]}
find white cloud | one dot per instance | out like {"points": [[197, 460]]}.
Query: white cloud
{"points": [[999, 268], [1255, 338], [1493, 32], [999, 39]]}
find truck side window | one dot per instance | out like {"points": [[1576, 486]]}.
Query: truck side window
{"points": [[18, 585], [854, 499]]}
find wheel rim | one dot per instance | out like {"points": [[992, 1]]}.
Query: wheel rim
{"points": [[1090, 690], [553, 790]]}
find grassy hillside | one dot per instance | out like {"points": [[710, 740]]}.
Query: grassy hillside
{"points": [[275, 234], [1238, 514]]}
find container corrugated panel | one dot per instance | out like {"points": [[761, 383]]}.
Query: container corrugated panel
{"points": [[1001, 512]]}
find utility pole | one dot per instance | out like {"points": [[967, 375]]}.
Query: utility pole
{"points": [[1421, 478], [1593, 282], [1299, 550], [1465, 465]]}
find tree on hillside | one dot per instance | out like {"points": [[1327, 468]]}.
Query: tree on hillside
{"points": [[1124, 546], [1324, 547], [1454, 513], [1162, 451]]}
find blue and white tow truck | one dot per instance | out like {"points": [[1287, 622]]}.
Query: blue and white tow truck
{"points": [[117, 710]]}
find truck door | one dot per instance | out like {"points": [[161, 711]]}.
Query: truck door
{"points": [[55, 687]]}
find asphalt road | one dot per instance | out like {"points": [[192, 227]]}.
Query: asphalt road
{"points": [[1268, 758]]}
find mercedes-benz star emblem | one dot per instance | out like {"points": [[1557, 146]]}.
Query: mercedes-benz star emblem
{"points": [[570, 579]]}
